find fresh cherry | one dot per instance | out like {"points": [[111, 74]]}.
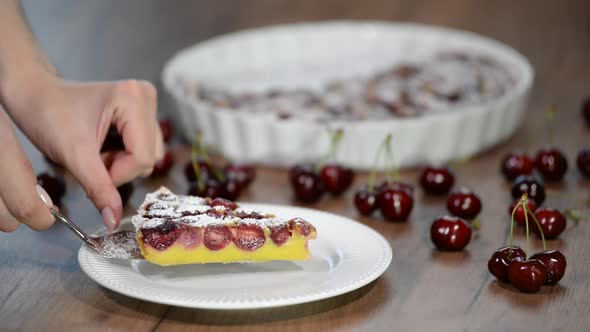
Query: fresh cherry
{"points": [[555, 263], [551, 164], [231, 189], [166, 128], [501, 259], [515, 164], [526, 184], [53, 185], [464, 203], [527, 275], [336, 178], [552, 222], [163, 166], [396, 203], [586, 110], [204, 168], [244, 174], [125, 190], [211, 188], [113, 141], [299, 169], [583, 161], [437, 180], [365, 201], [519, 216], [450, 233], [308, 187]]}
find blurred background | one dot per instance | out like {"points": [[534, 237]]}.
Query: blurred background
{"points": [[111, 39]]}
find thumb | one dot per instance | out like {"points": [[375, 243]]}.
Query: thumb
{"points": [[92, 174]]}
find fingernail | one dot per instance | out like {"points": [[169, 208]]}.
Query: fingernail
{"points": [[108, 217], [44, 196]]}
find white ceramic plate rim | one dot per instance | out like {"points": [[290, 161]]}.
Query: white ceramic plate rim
{"points": [[85, 256]]}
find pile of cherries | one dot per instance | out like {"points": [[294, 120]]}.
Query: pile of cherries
{"points": [[395, 199], [311, 180], [451, 233], [527, 273], [216, 179]]}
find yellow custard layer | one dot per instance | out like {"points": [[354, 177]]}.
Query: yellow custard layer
{"points": [[177, 254]]}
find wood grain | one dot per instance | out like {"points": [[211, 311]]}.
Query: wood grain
{"points": [[43, 288]]}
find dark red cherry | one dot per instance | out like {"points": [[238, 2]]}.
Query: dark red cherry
{"points": [[217, 237], [515, 164], [166, 129], [464, 203], [280, 234], [396, 185], [308, 187], [125, 190], [450, 233], [526, 184], [501, 258], [437, 180], [519, 216], [583, 162], [551, 163], [212, 189], [53, 185], [225, 203], [204, 169], [365, 201], [249, 237], [231, 189], [555, 263], [552, 222], [586, 110], [299, 169], [112, 141], [395, 203], [163, 166], [162, 236], [243, 174], [527, 275], [336, 178]]}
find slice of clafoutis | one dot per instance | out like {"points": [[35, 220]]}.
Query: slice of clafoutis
{"points": [[177, 229]]}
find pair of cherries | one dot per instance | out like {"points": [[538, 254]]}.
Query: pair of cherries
{"points": [[310, 181], [450, 233], [550, 162], [512, 264], [394, 199]]}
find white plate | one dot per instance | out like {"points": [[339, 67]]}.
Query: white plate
{"points": [[346, 256], [311, 54]]}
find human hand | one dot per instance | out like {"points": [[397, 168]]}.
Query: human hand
{"points": [[68, 122]]}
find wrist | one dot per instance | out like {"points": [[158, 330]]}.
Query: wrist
{"points": [[20, 89]]}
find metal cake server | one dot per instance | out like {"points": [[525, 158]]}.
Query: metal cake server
{"points": [[121, 244]]}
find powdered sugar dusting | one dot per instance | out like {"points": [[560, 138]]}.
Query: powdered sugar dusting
{"points": [[163, 205]]}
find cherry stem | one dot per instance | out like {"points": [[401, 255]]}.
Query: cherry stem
{"points": [[218, 174], [527, 211], [460, 161], [391, 172], [539, 131], [526, 219], [476, 224], [335, 139], [511, 241], [195, 152], [373, 174]]}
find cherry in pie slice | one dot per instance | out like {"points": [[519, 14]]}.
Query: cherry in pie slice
{"points": [[177, 229]]}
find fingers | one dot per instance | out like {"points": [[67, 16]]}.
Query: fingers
{"points": [[20, 200], [88, 168], [135, 119]]}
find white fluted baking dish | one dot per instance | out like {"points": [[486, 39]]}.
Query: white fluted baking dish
{"points": [[309, 56]]}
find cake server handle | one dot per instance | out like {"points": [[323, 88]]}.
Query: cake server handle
{"points": [[74, 228]]}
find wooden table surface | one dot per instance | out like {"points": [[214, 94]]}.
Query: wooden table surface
{"points": [[43, 288]]}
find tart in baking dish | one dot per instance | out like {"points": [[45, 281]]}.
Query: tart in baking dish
{"points": [[177, 229]]}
